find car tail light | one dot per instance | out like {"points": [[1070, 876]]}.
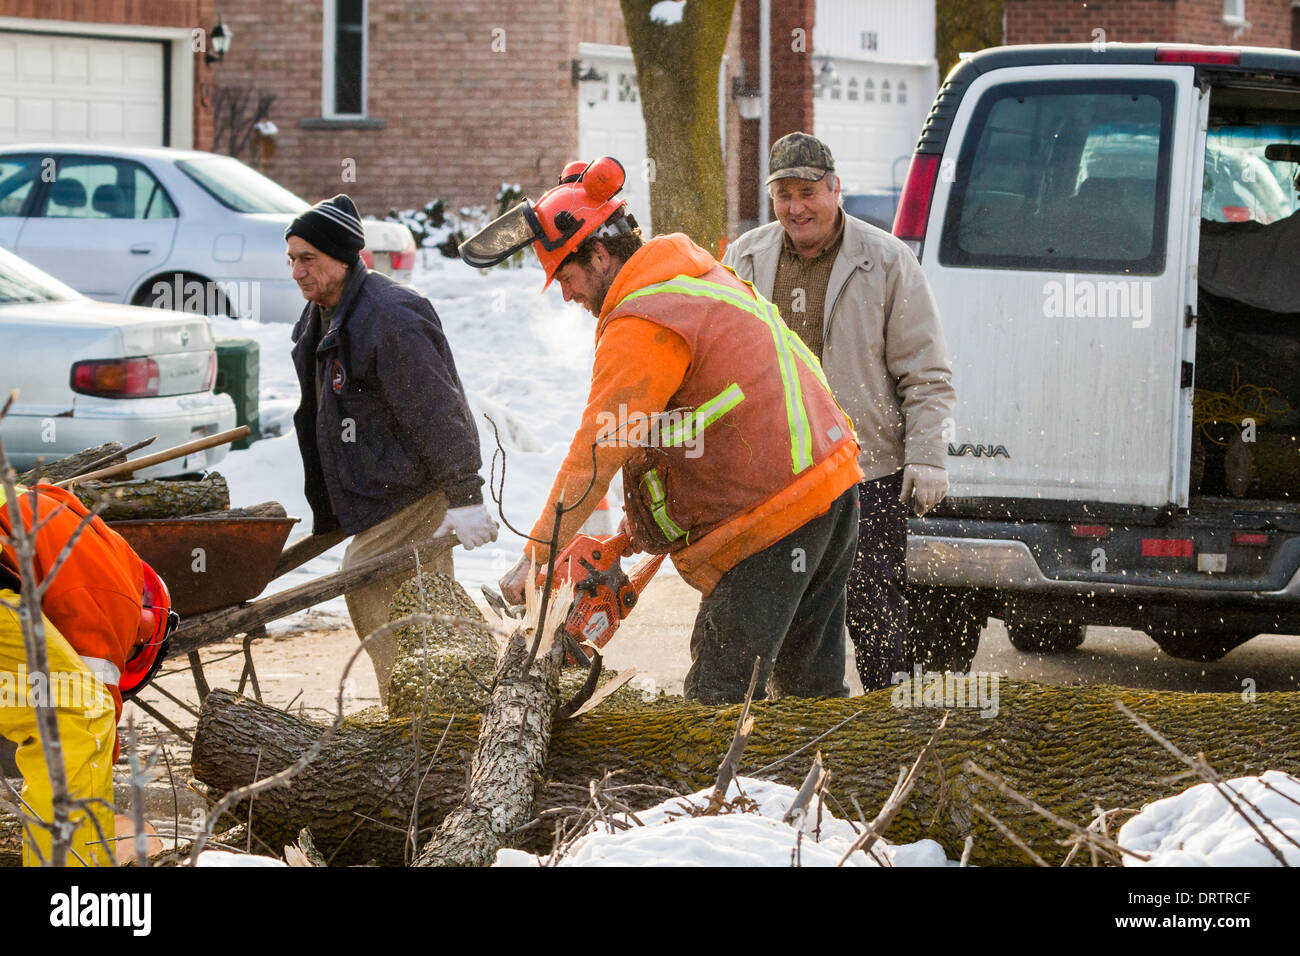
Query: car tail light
{"points": [[1167, 548], [1195, 55], [404, 259], [914, 203], [1236, 214], [210, 379], [1090, 530], [1250, 539], [368, 258], [117, 378]]}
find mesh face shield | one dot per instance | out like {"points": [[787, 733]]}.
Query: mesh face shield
{"points": [[507, 234]]}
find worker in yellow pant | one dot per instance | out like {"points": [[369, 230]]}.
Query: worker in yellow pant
{"points": [[87, 727]]}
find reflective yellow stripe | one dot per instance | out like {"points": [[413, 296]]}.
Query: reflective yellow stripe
{"points": [[766, 312], [703, 416], [658, 506]]}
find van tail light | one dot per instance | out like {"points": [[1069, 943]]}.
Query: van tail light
{"points": [[1247, 539], [1173, 54], [1167, 548], [368, 258], [1090, 530], [914, 203], [404, 259], [117, 378], [210, 378]]}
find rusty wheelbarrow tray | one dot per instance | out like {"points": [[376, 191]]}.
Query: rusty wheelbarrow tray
{"points": [[209, 563]]}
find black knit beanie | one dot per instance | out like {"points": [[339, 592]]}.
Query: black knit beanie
{"points": [[332, 226]]}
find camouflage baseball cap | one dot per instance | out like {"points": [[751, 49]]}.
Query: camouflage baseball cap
{"points": [[798, 156]]}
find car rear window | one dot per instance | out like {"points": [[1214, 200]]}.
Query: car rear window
{"points": [[237, 187], [1069, 175]]}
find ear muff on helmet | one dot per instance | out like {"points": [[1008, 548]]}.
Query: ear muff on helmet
{"points": [[157, 622]]}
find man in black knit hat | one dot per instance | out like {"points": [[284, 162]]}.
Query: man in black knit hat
{"points": [[390, 453]]}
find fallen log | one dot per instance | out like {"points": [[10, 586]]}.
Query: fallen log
{"points": [[267, 509], [509, 764], [109, 453], [1065, 747], [143, 498]]}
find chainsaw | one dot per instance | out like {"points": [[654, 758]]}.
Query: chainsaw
{"points": [[603, 593]]}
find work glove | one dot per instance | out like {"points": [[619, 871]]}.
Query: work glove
{"points": [[514, 581], [472, 524], [924, 486]]}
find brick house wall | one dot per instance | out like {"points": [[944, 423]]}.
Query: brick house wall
{"points": [[1139, 21], [448, 113], [792, 93], [187, 14]]}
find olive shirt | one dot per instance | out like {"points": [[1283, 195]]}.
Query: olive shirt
{"points": [[800, 287]]}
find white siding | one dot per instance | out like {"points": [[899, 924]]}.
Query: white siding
{"points": [[903, 29]]}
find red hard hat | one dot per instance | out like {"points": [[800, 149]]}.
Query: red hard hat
{"points": [[557, 223], [157, 621]]}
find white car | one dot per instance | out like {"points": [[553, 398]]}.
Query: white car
{"points": [[91, 372], [171, 228]]}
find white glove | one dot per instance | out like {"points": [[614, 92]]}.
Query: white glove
{"points": [[927, 483], [472, 524]]}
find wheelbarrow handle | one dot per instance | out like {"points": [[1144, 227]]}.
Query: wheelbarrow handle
{"points": [[304, 549]]}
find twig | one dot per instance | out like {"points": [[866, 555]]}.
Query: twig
{"points": [[895, 801], [730, 762], [1209, 775], [474, 677], [162, 719], [965, 851], [812, 783], [820, 737], [1006, 832]]}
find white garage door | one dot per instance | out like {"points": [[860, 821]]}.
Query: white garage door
{"points": [[66, 88], [870, 116], [613, 125]]}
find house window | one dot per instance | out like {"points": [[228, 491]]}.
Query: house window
{"points": [[868, 91], [343, 84], [902, 91], [1234, 12], [853, 89], [836, 88], [884, 91]]}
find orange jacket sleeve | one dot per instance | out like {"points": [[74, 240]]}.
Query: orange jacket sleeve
{"points": [[638, 367]]}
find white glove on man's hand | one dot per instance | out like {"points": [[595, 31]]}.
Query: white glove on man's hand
{"points": [[926, 483], [472, 524]]}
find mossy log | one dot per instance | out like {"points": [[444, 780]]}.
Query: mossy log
{"points": [[143, 498], [1066, 747]]}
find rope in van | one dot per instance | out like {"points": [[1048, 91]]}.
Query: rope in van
{"points": [[1244, 402]]}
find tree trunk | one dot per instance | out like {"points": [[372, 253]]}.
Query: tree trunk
{"points": [[1066, 747], [144, 498], [677, 75]]}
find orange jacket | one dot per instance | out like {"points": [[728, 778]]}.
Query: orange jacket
{"points": [[95, 598], [639, 366]]}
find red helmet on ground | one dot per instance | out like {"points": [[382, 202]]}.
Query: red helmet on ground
{"points": [[581, 205], [157, 621]]}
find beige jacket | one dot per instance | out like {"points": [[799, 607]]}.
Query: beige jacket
{"points": [[884, 353]]}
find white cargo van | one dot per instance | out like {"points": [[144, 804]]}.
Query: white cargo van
{"points": [[1112, 237]]}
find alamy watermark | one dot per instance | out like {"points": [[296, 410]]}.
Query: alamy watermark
{"points": [[947, 690], [674, 428], [236, 299], [1077, 298]]}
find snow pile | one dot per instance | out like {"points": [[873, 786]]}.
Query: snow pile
{"points": [[225, 858], [668, 12], [523, 357], [1198, 827], [672, 837]]}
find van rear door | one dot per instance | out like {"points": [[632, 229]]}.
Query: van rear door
{"points": [[1057, 248]]}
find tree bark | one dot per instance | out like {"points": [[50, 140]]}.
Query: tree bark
{"points": [[1066, 747], [677, 75], [110, 453], [144, 498], [509, 766]]}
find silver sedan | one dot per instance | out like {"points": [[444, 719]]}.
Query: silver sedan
{"points": [[177, 229]]}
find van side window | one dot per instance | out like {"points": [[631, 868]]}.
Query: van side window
{"points": [[1064, 175]]}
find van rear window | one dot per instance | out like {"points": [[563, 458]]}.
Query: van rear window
{"points": [[1068, 175]]}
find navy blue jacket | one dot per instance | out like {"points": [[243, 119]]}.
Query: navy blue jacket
{"points": [[389, 423]]}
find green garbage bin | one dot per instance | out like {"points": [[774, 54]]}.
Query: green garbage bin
{"points": [[237, 376]]}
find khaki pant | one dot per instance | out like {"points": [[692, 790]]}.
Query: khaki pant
{"points": [[87, 720], [368, 604]]}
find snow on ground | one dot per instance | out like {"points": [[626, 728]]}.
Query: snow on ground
{"points": [[1199, 827], [672, 837], [524, 358], [227, 858]]}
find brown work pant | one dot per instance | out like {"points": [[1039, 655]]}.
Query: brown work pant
{"points": [[368, 604]]}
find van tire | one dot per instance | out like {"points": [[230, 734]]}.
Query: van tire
{"points": [[944, 628], [1042, 637], [1192, 645]]}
